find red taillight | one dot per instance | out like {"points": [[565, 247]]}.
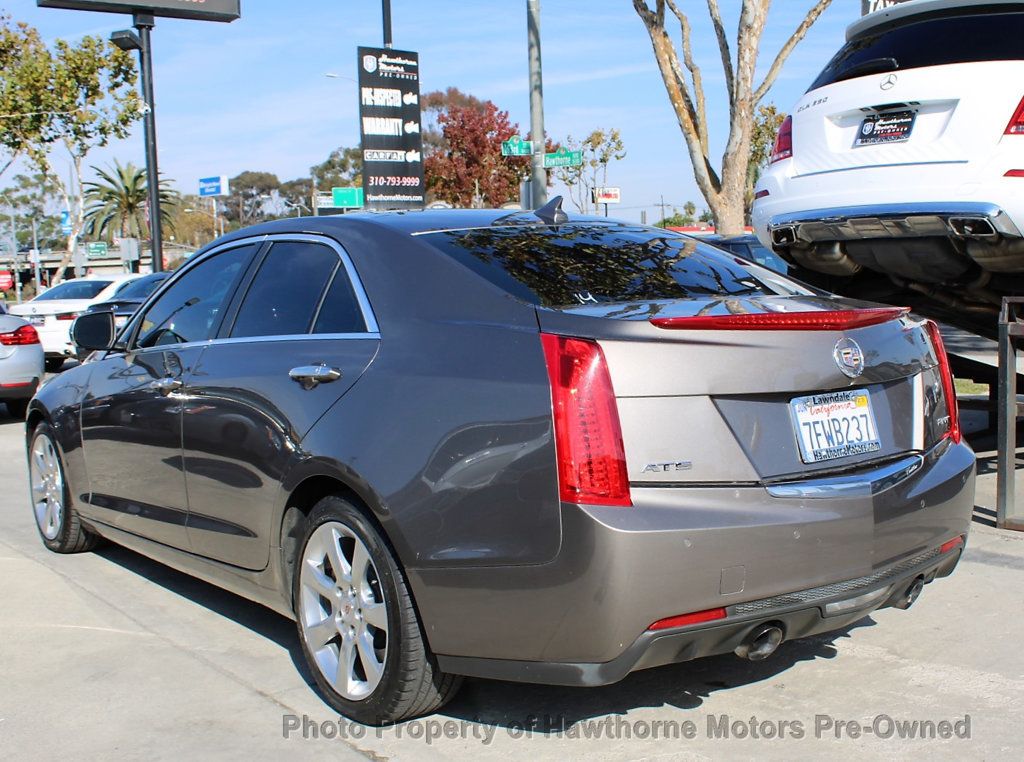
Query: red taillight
{"points": [[1014, 173], [827, 320], [946, 374], [953, 544], [1016, 123], [20, 337], [783, 148], [588, 438], [708, 615], [763, 193], [67, 316]]}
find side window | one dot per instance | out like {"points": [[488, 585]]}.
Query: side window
{"points": [[340, 312], [191, 308], [285, 293]]}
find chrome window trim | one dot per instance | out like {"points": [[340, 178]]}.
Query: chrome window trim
{"points": [[369, 318]]}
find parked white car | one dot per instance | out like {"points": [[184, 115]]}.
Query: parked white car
{"points": [[54, 310], [21, 363], [901, 170]]}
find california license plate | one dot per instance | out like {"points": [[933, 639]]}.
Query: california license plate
{"points": [[834, 425], [892, 127], [36, 320]]}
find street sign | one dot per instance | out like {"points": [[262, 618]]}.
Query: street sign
{"points": [[607, 195], [200, 10], [96, 250], [563, 158], [389, 128], [516, 146], [65, 222], [347, 198], [214, 186]]}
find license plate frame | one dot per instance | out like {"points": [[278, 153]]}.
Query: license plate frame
{"points": [[36, 320], [847, 425], [885, 128]]}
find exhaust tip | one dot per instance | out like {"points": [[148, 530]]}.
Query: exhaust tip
{"points": [[973, 227], [784, 236], [761, 643], [911, 594]]}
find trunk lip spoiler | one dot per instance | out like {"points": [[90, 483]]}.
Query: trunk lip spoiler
{"points": [[820, 320]]}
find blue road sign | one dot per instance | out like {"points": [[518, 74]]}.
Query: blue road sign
{"points": [[214, 186], [65, 222]]}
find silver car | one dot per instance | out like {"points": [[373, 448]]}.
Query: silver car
{"points": [[21, 363], [510, 445]]}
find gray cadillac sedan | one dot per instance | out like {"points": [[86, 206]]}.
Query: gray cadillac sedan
{"points": [[510, 445]]}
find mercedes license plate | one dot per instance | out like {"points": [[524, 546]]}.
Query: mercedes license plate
{"points": [[834, 425]]}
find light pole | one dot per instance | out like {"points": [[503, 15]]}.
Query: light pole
{"points": [[128, 40], [538, 176]]}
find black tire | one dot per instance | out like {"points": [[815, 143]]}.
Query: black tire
{"points": [[70, 536], [54, 364], [411, 683], [17, 409]]}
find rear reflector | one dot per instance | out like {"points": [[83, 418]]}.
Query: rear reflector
{"points": [[19, 385], [1014, 173], [946, 374], [828, 320], [709, 615], [67, 316], [762, 194], [783, 148], [956, 542], [1016, 124], [22, 336], [588, 437]]}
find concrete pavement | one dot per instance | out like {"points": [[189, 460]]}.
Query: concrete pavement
{"points": [[110, 655]]}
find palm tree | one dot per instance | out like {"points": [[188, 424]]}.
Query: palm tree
{"points": [[118, 201]]}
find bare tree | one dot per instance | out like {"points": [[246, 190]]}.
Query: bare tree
{"points": [[723, 189]]}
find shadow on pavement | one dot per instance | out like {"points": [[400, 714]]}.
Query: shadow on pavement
{"points": [[252, 616], [684, 686], [492, 702]]}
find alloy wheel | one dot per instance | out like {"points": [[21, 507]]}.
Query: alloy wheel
{"points": [[47, 482], [342, 611]]}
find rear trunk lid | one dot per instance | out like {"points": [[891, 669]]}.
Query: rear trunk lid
{"points": [[747, 406], [916, 89]]}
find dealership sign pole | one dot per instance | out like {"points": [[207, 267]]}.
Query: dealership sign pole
{"points": [[143, 13], [389, 129]]}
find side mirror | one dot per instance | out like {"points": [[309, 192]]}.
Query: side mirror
{"points": [[94, 331]]}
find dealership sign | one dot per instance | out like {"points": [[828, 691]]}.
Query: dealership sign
{"points": [[389, 129], [200, 10], [870, 6], [607, 195]]}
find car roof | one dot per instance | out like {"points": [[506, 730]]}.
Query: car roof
{"points": [[916, 7]]}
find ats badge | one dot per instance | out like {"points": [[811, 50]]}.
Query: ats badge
{"points": [[389, 128]]}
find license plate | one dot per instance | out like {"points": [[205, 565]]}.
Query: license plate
{"points": [[36, 320], [894, 127], [834, 425]]}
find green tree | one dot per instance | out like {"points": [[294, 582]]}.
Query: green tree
{"points": [[600, 148], [766, 127], [34, 199], [26, 104], [250, 192], [342, 168], [117, 203], [434, 105]]}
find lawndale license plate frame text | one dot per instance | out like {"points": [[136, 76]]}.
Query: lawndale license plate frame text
{"points": [[834, 425]]}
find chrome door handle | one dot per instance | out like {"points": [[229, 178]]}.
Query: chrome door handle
{"points": [[167, 385], [312, 375]]}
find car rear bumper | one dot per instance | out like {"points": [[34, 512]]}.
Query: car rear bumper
{"points": [[583, 619]]}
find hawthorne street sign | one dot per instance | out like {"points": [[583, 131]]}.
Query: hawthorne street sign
{"points": [[563, 158], [516, 146], [96, 250]]}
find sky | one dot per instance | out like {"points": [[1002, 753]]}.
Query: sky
{"points": [[253, 95]]}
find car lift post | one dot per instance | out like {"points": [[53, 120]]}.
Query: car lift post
{"points": [[1011, 328]]}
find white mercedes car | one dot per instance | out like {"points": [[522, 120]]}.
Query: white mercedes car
{"points": [[54, 310], [900, 173]]}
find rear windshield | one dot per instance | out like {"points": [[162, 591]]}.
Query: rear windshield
{"points": [[142, 287], [930, 41], [589, 264], [74, 289]]}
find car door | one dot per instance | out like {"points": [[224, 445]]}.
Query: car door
{"points": [[131, 414], [294, 342]]}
